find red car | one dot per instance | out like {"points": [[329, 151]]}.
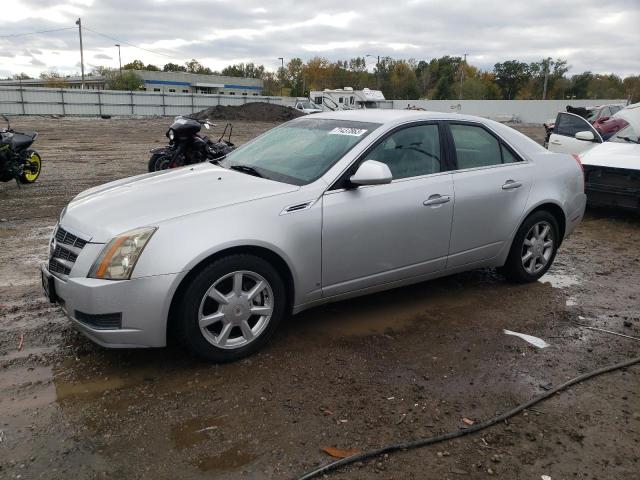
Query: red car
{"points": [[607, 126]]}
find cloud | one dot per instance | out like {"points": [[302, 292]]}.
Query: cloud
{"points": [[588, 35], [37, 63]]}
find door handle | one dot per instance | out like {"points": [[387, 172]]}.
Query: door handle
{"points": [[436, 200], [511, 184], [555, 142]]}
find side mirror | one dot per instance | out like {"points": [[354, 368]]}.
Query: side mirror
{"points": [[372, 172], [586, 136], [604, 119]]}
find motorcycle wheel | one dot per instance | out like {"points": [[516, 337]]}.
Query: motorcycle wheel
{"points": [[164, 163], [152, 162], [32, 167]]}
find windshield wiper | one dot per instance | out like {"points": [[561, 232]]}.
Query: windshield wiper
{"points": [[246, 169], [630, 140]]}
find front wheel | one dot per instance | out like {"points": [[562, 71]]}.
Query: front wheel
{"points": [[151, 166], [231, 308], [534, 248], [32, 167]]}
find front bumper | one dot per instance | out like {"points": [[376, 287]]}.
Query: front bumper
{"points": [[142, 305]]}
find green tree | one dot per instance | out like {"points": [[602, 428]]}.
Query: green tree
{"points": [[511, 76], [249, 70], [194, 66], [632, 88], [173, 67], [135, 65], [128, 80]]}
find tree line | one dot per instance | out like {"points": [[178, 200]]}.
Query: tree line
{"points": [[443, 78]]}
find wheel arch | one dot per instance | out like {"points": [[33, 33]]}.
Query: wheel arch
{"points": [[262, 252], [555, 210]]}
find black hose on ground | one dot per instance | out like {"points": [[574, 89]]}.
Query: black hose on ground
{"points": [[422, 442]]}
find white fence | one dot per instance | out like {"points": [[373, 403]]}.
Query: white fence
{"points": [[60, 101], [55, 101]]}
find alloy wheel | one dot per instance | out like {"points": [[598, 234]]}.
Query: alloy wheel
{"points": [[236, 309], [537, 247]]}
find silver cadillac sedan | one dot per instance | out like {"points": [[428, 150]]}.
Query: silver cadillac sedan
{"points": [[319, 209]]}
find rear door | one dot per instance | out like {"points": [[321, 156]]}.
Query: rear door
{"points": [[563, 138], [491, 184]]}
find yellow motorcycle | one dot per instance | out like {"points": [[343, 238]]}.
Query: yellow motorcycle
{"points": [[17, 160]]}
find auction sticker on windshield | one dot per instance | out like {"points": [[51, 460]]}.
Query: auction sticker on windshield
{"points": [[354, 132]]}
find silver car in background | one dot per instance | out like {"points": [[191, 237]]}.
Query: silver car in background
{"points": [[322, 208]]}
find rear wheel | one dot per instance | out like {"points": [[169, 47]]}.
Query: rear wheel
{"points": [[534, 248], [231, 308]]}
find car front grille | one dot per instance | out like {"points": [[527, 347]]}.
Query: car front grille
{"points": [[64, 251], [67, 238]]}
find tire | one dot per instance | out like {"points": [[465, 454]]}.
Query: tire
{"points": [[152, 162], [211, 298], [34, 161], [541, 254]]}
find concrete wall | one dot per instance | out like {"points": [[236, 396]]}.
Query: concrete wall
{"points": [[55, 101], [524, 111]]}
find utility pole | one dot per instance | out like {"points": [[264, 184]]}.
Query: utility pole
{"points": [[282, 76], [119, 58], [546, 62], [377, 57], [79, 23], [462, 74]]}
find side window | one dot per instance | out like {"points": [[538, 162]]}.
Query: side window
{"points": [[475, 147], [569, 125], [410, 152], [507, 156]]}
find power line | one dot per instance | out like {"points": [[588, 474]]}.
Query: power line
{"points": [[132, 45], [11, 35]]}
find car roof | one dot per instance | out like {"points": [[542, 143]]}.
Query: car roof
{"points": [[386, 116]]}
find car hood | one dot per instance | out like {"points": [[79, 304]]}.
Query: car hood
{"points": [[108, 210], [614, 155]]}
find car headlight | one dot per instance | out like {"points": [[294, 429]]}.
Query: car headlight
{"points": [[118, 258], [172, 134]]}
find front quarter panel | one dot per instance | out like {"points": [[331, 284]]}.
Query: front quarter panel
{"points": [[182, 243]]}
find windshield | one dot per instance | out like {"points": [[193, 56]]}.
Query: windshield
{"points": [[593, 114], [626, 135], [300, 151], [307, 105]]}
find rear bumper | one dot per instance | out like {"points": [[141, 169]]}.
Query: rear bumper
{"points": [[117, 314]]}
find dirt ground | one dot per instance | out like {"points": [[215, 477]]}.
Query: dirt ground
{"points": [[358, 374]]}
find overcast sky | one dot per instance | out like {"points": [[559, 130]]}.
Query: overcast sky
{"points": [[598, 35]]}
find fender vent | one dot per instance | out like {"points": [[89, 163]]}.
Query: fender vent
{"points": [[296, 207]]}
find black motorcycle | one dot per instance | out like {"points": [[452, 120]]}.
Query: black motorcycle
{"points": [[186, 147], [17, 160]]}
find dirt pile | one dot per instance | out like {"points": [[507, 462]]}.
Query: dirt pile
{"points": [[256, 111]]}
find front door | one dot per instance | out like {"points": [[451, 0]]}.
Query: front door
{"points": [[379, 234], [563, 138]]}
